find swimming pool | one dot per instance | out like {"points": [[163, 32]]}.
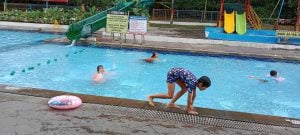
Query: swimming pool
{"points": [[9, 38], [56, 67]]}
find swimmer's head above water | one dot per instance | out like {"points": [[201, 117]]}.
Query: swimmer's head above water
{"points": [[273, 73], [100, 69]]}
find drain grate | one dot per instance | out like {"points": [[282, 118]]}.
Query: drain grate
{"points": [[194, 119]]}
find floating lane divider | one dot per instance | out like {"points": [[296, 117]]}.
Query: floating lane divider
{"points": [[30, 68]]}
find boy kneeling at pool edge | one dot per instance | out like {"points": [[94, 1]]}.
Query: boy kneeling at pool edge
{"points": [[187, 82]]}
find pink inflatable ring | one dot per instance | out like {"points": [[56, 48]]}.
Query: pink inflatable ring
{"points": [[64, 102]]}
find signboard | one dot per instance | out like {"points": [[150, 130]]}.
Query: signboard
{"points": [[138, 25], [117, 23], [292, 34]]}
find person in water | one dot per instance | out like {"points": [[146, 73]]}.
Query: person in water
{"points": [[152, 58], [98, 77], [187, 82], [273, 75]]}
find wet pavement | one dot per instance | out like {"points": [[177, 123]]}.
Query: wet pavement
{"points": [[29, 115]]}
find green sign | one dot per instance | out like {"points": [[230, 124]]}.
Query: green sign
{"points": [[117, 23]]}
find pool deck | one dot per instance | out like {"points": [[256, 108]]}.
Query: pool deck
{"points": [[104, 115], [25, 111]]}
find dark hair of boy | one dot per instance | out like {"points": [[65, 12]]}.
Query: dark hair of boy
{"points": [[205, 81], [273, 73]]}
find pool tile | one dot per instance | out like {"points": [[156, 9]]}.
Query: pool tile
{"points": [[45, 93], [271, 120], [239, 116], [210, 112], [100, 100], [158, 106], [133, 103]]}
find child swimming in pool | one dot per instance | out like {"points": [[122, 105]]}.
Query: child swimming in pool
{"points": [[99, 76], [187, 82], [103, 75], [273, 75], [152, 58]]}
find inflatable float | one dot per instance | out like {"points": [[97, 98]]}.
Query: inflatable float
{"points": [[64, 102]]}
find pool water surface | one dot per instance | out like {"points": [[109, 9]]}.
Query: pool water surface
{"points": [[56, 67]]}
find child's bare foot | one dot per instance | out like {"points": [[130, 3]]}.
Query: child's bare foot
{"points": [[192, 108], [150, 101], [192, 112], [170, 105]]}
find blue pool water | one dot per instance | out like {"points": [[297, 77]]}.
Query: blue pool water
{"points": [[56, 67], [9, 38]]}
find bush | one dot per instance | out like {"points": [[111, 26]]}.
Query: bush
{"points": [[47, 16]]}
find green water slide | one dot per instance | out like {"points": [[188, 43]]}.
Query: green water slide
{"points": [[91, 24], [240, 23]]}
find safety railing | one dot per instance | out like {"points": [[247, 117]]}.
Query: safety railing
{"points": [[185, 15], [254, 19]]}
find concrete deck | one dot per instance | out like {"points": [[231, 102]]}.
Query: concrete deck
{"points": [[23, 109], [27, 115]]}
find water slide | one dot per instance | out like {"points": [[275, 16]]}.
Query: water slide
{"points": [[229, 22], [240, 23], [86, 27]]}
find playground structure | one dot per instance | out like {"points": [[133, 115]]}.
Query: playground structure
{"points": [[277, 22], [234, 17], [86, 27]]}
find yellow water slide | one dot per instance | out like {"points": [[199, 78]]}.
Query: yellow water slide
{"points": [[229, 22]]}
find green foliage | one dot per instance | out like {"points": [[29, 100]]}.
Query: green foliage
{"points": [[47, 15], [142, 11], [99, 4], [91, 11], [264, 10], [197, 4], [65, 16]]}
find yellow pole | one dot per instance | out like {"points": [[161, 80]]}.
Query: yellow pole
{"points": [[55, 25]]}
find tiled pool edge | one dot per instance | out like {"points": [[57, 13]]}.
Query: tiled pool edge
{"points": [[203, 112]]}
